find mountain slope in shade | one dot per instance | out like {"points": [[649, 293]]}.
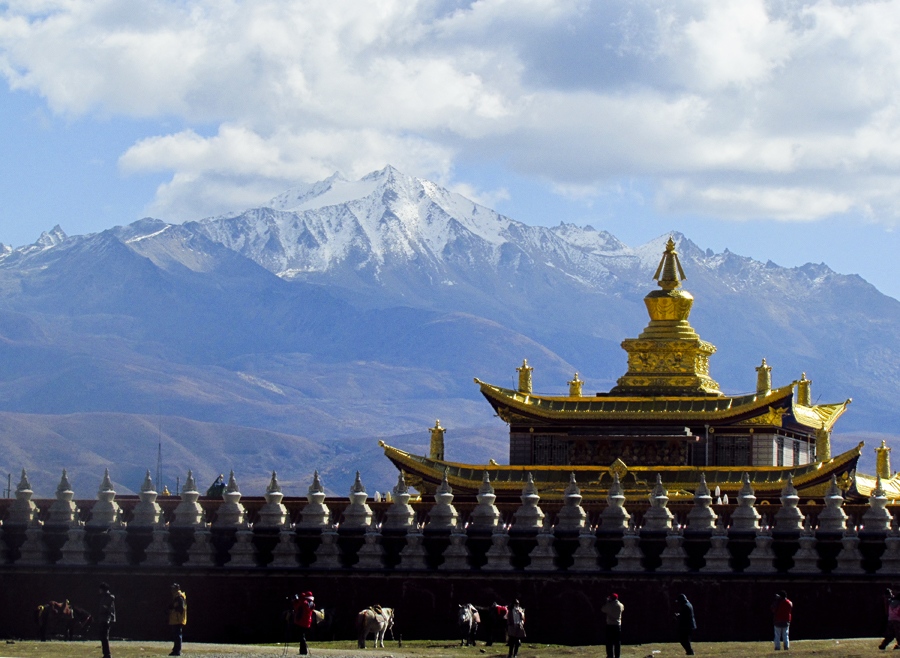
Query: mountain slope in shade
{"points": [[345, 311]]}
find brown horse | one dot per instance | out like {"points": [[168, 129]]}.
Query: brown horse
{"points": [[375, 620], [55, 617]]}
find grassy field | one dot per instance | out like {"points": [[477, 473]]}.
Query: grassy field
{"points": [[803, 648]]}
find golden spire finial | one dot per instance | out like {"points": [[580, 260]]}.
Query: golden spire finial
{"points": [[669, 268], [668, 357]]}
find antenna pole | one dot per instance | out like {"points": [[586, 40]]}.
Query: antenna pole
{"points": [[159, 453]]}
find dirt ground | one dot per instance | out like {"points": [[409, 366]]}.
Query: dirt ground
{"points": [[803, 648]]}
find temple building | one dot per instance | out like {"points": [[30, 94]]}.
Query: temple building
{"points": [[666, 416]]}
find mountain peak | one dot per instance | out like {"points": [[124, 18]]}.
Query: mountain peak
{"points": [[388, 172]]}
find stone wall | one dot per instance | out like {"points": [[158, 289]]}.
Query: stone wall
{"points": [[239, 558]]}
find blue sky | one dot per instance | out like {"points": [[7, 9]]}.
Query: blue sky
{"points": [[769, 128]]}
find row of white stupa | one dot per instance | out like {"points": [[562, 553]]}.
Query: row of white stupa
{"points": [[189, 514], [230, 513]]}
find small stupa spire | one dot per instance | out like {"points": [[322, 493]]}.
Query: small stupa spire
{"points": [[316, 486], [24, 484], [106, 483], [232, 486], [147, 484], [63, 485], [190, 484]]}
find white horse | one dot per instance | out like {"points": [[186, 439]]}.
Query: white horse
{"points": [[467, 619], [375, 620]]}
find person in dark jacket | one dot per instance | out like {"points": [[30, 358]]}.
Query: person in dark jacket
{"points": [[515, 628], [687, 624], [106, 617]]}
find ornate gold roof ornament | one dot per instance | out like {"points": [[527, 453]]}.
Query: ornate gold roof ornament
{"points": [[846, 480], [525, 382], [763, 378], [575, 387], [618, 469], [804, 391], [772, 418], [883, 461], [437, 441], [823, 445], [668, 358]]}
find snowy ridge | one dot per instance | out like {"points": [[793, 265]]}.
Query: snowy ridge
{"points": [[388, 220], [398, 230]]}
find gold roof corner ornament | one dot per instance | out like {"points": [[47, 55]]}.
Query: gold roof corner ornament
{"points": [[668, 358]]}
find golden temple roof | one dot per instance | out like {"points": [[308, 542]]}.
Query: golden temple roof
{"points": [[611, 407], [681, 481], [820, 416]]}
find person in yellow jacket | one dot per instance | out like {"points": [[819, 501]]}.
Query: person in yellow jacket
{"points": [[177, 617]]}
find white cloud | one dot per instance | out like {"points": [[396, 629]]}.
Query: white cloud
{"points": [[731, 108], [488, 198], [237, 168]]}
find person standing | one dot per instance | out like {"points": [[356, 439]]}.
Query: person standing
{"points": [[107, 617], [304, 605], [687, 624], [892, 631], [515, 628], [782, 610], [177, 617], [613, 609]]}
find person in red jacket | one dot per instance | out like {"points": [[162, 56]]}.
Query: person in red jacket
{"points": [[781, 613], [303, 617]]}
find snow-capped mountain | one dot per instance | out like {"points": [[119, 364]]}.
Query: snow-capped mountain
{"points": [[347, 310], [388, 221]]}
